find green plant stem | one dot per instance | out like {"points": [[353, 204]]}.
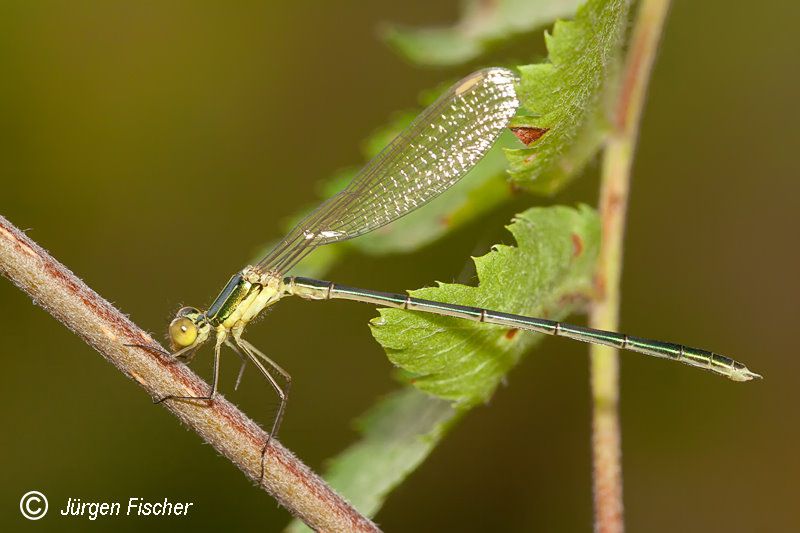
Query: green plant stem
{"points": [[70, 301], [616, 173]]}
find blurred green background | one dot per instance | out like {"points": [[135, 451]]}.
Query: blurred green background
{"points": [[125, 124]]}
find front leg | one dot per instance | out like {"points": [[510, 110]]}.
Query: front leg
{"points": [[221, 337]]}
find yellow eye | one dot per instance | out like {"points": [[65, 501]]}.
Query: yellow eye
{"points": [[182, 332]]}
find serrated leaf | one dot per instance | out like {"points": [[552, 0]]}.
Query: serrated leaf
{"points": [[482, 25], [398, 433], [560, 98], [565, 95], [547, 274]]}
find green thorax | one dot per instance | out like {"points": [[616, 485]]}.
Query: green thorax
{"points": [[236, 291]]}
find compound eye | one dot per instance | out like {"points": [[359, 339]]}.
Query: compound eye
{"points": [[184, 311], [182, 332]]}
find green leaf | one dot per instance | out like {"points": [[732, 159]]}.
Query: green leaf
{"points": [[398, 433], [482, 25], [565, 95], [561, 97], [548, 274]]}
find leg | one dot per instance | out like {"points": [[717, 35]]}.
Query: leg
{"points": [[186, 353], [233, 347], [214, 378], [253, 353], [284, 374]]}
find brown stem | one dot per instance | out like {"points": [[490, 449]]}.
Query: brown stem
{"points": [[53, 287], [616, 174]]}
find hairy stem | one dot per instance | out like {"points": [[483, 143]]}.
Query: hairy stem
{"points": [[57, 290], [616, 175]]}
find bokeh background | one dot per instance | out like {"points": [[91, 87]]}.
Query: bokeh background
{"points": [[153, 147]]}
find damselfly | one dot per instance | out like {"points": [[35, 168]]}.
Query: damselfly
{"points": [[433, 153]]}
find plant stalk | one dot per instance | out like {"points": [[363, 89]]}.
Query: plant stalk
{"points": [[614, 190], [59, 292]]}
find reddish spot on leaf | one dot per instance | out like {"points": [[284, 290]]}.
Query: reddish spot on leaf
{"points": [[510, 334], [577, 245], [528, 135]]}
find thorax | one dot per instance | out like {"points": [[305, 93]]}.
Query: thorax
{"points": [[243, 297]]}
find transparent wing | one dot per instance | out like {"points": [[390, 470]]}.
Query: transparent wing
{"points": [[433, 153]]}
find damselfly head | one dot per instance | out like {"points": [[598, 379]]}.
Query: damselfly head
{"points": [[189, 327]]}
